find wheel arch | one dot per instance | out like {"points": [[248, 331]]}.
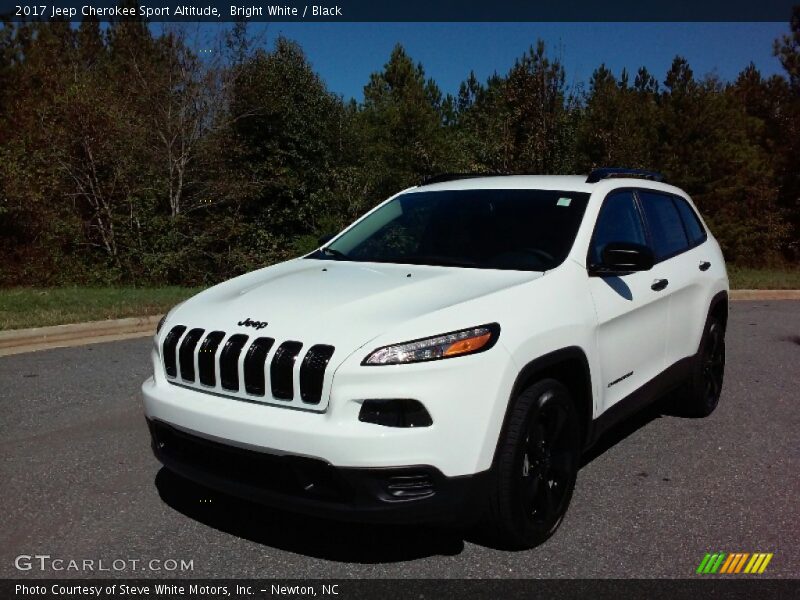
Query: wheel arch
{"points": [[718, 307], [568, 365]]}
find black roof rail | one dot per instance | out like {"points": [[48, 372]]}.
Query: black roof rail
{"points": [[608, 172], [441, 178]]}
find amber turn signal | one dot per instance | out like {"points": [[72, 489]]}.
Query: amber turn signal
{"points": [[468, 345]]}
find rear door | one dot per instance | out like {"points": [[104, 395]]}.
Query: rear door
{"points": [[678, 240], [632, 317]]}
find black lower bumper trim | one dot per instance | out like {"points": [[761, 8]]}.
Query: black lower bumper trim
{"points": [[312, 486]]}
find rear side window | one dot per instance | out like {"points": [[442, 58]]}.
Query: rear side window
{"points": [[619, 221], [691, 222], [664, 223]]}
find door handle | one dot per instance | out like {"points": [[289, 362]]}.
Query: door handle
{"points": [[704, 265], [659, 284]]}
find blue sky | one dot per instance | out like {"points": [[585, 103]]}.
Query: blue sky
{"points": [[344, 54]]}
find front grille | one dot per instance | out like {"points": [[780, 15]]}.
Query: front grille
{"points": [[312, 372], [254, 366], [229, 361], [236, 365], [186, 353], [207, 358], [282, 370], [170, 344]]}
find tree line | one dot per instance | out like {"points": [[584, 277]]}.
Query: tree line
{"points": [[127, 157]]}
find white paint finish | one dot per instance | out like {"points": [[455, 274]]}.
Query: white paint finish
{"points": [[631, 331], [358, 307]]}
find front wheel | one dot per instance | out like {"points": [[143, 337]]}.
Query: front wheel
{"points": [[536, 467]]}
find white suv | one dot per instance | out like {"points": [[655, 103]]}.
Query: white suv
{"points": [[448, 355]]}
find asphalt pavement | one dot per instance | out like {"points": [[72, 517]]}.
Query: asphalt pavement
{"points": [[79, 483]]}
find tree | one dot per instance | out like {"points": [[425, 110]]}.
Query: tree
{"points": [[620, 123], [523, 122], [285, 145], [707, 146], [787, 118], [787, 49], [403, 125]]}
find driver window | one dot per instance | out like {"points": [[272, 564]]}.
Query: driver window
{"points": [[619, 221]]}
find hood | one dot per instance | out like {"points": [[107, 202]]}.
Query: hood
{"points": [[344, 304]]}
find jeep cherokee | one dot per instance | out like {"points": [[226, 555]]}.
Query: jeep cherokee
{"points": [[449, 355]]}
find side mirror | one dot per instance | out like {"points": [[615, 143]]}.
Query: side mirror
{"points": [[324, 239], [624, 257]]}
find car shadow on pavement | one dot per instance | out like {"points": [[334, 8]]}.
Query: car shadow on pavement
{"points": [[301, 534], [627, 427]]}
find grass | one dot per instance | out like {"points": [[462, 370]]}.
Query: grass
{"points": [[764, 279], [37, 307]]}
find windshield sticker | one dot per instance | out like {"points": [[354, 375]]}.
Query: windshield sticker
{"points": [[563, 201]]}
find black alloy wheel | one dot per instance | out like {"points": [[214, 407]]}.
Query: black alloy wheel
{"points": [[548, 466], [701, 395], [536, 465], [714, 362]]}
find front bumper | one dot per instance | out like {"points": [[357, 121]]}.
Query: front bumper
{"points": [[300, 484], [465, 398]]}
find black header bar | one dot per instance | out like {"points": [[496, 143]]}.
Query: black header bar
{"points": [[402, 589], [403, 11]]}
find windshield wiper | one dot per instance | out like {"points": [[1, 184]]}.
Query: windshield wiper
{"points": [[334, 253], [440, 261]]}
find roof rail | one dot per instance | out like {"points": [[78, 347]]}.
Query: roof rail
{"points": [[608, 172], [455, 176]]}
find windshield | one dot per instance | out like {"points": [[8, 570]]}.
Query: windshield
{"points": [[529, 230]]}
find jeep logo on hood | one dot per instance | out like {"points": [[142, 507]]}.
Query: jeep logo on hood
{"points": [[254, 324]]}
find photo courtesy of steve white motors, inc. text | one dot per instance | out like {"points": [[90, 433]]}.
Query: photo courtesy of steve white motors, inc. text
{"points": [[235, 11]]}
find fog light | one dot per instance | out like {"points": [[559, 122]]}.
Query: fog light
{"points": [[395, 413]]}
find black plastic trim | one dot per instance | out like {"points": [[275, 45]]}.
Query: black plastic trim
{"points": [[206, 358], [663, 383], [186, 353], [254, 363], [168, 350], [281, 371], [549, 361], [395, 412], [312, 372], [608, 172], [229, 361], [346, 493]]}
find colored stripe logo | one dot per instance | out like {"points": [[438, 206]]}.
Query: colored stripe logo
{"points": [[733, 563]]}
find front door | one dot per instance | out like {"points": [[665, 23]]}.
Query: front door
{"points": [[632, 316]]}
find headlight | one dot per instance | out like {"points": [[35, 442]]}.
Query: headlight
{"points": [[447, 345]]}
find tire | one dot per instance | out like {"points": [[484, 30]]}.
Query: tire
{"points": [[705, 386], [535, 467]]}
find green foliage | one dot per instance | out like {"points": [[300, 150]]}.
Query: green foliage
{"points": [[127, 158], [402, 121], [23, 307], [522, 123]]}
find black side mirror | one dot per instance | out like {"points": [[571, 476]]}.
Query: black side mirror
{"points": [[324, 239], [624, 257]]}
